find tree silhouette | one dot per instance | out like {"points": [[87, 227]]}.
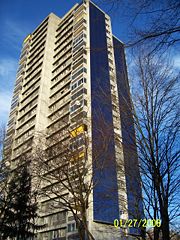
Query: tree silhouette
{"points": [[19, 206]]}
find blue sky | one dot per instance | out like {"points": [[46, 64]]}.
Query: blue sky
{"points": [[19, 18]]}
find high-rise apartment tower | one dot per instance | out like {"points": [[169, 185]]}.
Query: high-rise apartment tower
{"points": [[72, 74]]}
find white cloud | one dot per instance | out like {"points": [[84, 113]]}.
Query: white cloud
{"points": [[5, 103], [8, 69], [14, 33], [176, 60]]}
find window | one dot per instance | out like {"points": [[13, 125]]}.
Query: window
{"points": [[74, 86], [79, 93], [79, 23], [79, 72], [78, 104], [78, 117], [78, 46], [71, 227], [79, 10], [79, 54], [79, 38], [79, 62], [79, 30]]}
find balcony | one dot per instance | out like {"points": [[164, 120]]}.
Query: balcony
{"points": [[30, 97], [59, 86], [59, 96], [62, 66]]}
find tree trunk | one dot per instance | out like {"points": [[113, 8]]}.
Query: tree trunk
{"points": [[88, 235], [163, 204], [156, 229], [80, 230], [156, 233], [165, 224]]}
